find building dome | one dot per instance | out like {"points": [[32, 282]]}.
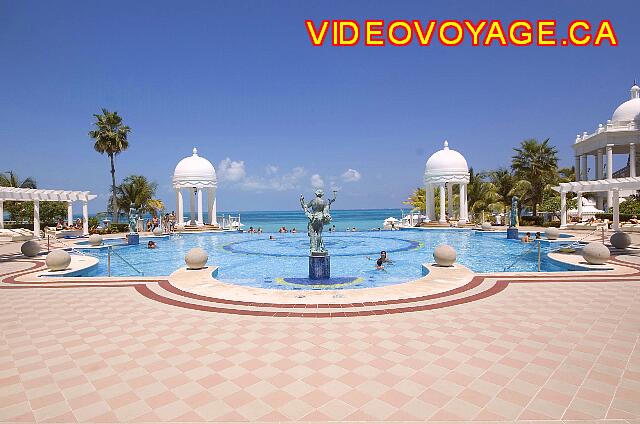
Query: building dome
{"points": [[194, 171], [446, 162], [629, 110]]}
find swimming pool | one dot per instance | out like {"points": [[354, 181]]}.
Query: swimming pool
{"points": [[254, 260]]}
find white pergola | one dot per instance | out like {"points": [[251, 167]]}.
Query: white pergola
{"points": [[444, 169], [37, 195], [613, 186], [195, 174]]}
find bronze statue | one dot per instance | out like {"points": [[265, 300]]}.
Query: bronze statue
{"points": [[318, 212]]}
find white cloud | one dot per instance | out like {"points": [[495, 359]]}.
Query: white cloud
{"points": [[316, 181], [351, 175], [231, 170], [271, 169]]}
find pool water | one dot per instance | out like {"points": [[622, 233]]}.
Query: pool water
{"points": [[254, 260]]}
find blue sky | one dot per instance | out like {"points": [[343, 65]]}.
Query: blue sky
{"points": [[241, 81]]}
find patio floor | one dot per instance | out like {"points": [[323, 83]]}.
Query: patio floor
{"points": [[543, 349]]}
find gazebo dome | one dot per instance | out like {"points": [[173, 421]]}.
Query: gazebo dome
{"points": [[629, 110], [446, 162], [194, 171]]}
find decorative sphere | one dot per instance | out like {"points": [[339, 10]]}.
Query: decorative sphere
{"points": [[58, 260], [157, 231], [486, 226], [552, 233], [196, 258], [620, 240], [444, 255], [95, 239], [30, 248], [596, 253]]}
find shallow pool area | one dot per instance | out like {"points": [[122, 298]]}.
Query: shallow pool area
{"points": [[256, 261]]}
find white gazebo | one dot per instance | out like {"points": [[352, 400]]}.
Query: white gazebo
{"points": [[444, 169], [621, 136], [195, 174], [37, 195]]}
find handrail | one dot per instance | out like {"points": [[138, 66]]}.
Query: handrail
{"points": [[111, 250], [519, 257]]}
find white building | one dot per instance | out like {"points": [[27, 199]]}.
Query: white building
{"points": [[619, 136], [444, 169], [195, 175]]}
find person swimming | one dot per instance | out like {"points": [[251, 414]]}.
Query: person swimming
{"points": [[380, 264], [151, 244], [526, 238]]}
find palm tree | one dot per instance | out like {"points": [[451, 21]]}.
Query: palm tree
{"points": [[10, 179], [537, 164], [417, 199], [481, 194], [135, 192], [503, 181], [110, 137]]}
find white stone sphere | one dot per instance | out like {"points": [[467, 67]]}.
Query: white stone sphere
{"points": [[620, 240], [30, 248], [157, 231], [58, 260], [95, 239], [552, 233], [444, 255], [596, 253], [486, 226], [196, 258]]}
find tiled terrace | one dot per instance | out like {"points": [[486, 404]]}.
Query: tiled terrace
{"points": [[547, 349]]}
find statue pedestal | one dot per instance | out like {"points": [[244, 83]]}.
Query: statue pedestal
{"points": [[512, 233], [133, 238], [319, 267]]}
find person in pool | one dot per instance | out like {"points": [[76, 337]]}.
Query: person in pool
{"points": [[151, 244], [379, 264], [538, 235], [526, 238]]}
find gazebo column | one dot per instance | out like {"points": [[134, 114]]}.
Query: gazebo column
{"points": [[1, 214], [450, 200], [464, 213], [85, 218], [563, 209], [200, 219], [599, 176], [609, 173], [36, 219], [616, 209], [69, 213], [632, 160], [180, 206], [443, 218], [192, 206], [211, 207]]}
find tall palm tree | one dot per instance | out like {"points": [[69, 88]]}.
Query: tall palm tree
{"points": [[10, 179], [481, 194], [135, 192], [537, 164], [503, 181], [110, 137]]}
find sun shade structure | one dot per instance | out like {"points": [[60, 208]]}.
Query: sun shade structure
{"points": [[445, 168], [195, 174], [37, 195], [619, 136], [613, 186]]}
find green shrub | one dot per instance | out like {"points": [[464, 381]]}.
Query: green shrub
{"points": [[552, 224], [609, 216], [532, 220]]}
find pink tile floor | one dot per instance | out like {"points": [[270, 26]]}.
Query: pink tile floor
{"points": [[535, 351]]}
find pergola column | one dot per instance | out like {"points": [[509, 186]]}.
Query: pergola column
{"points": [[632, 160], [563, 209], [616, 209], [200, 219], [1, 214], [69, 213], [36, 219], [85, 218], [443, 218], [600, 176], [180, 206], [450, 200], [579, 205], [609, 173]]}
